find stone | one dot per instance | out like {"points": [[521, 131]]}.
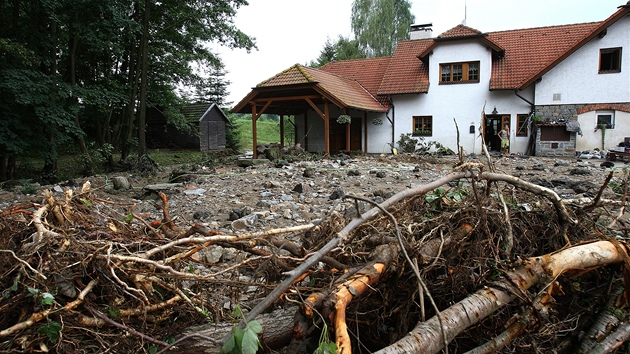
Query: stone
{"points": [[580, 171], [121, 182], [354, 173], [309, 172], [607, 164], [201, 214], [337, 194], [245, 222], [381, 174], [302, 188]]}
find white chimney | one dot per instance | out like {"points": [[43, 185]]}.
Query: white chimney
{"points": [[421, 31]]}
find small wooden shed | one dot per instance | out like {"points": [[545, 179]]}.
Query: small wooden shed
{"points": [[212, 128]]}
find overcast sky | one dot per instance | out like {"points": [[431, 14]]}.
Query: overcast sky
{"points": [[292, 32]]}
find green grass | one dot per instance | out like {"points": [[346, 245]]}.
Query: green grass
{"points": [[267, 132]]}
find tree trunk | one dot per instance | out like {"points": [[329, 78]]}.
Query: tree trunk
{"points": [[80, 141], [427, 337], [144, 67]]}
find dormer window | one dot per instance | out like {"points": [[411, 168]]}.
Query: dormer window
{"points": [[609, 60], [458, 73]]}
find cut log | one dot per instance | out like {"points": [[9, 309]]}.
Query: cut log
{"points": [[426, 337]]}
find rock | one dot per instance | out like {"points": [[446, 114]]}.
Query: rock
{"points": [[302, 188], [354, 173], [381, 174], [337, 194], [245, 222], [201, 214], [162, 187], [58, 189], [286, 197], [309, 172], [272, 184], [580, 171], [195, 191], [607, 164], [282, 163], [121, 182]]}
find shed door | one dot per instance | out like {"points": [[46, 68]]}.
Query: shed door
{"points": [[213, 135]]}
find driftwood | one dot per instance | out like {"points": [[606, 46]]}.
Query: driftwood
{"points": [[146, 273], [425, 337]]}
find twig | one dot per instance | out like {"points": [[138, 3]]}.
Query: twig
{"points": [[128, 329], [26, 264], [38, 316], [601, 190]]}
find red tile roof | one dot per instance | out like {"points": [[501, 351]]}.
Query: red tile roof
{"points": [[529, 51], [346, 92], [460, 31], [520, 58], [367, 72], [406, 73]]}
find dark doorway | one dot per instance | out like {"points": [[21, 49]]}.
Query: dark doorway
{"points": [[338, 135], [494, 123]]}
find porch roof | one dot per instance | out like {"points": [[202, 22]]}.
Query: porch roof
{"points": [[287, 92]]}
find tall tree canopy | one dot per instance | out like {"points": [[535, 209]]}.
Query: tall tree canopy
{"points": [[77, 70], [379, 24]]}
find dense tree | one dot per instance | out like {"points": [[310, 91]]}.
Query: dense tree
{"points": [[343, 49], [378, 25], [79, 70]]}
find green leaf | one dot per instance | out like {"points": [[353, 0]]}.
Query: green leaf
{"points": [[249, 345], [229, 346], [237, 312], [32, 291], [128, 218], [14, 287], [48, 299], [238, 335], [51, 330], [255, 326]]}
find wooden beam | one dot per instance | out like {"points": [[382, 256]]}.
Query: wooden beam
{"points": [[289, 98], [365, 132], [282, 130], [317, 109], [263, 109], [326, 127], [348, 137], [254, 137]]}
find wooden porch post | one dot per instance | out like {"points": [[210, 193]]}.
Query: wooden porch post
{"points": [[326, 128], [348, 137], [365, 133], [282, 130], [254, 133]]}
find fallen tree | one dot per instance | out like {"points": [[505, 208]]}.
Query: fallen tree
{"points": [[396, 277]]}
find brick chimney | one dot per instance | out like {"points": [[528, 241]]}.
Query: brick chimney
{"points": [[421, 31]]}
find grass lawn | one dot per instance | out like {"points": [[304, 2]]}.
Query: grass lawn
{"points": [[268, 132]]}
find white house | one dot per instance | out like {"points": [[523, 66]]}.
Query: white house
{"points": [[568, 78]]}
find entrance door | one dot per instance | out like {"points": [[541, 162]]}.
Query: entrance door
{"points": [[338, 135], [494, 123]]}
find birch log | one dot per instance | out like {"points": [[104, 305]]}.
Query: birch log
{"points": [[426, 337]]}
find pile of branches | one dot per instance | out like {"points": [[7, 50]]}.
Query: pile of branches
{"points": [[474, 261]]}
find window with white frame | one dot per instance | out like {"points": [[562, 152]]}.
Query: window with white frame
{"points": [[606, 118]]}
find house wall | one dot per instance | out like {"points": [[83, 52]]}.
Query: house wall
{"points": [[577, 80], [575, 83], [462, 102], [593, 138]]}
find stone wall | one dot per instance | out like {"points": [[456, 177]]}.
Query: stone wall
{"points": [[550, 115], [555, 148]]}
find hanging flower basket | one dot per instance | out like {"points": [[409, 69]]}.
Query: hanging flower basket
{"points": [[344, 118], [377, 121]]}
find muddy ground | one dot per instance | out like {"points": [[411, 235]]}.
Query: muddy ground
{"points": [[279, 194]]}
